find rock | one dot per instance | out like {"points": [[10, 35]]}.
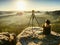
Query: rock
{"points": [[7, 38], [4, 38], [34, 36]]}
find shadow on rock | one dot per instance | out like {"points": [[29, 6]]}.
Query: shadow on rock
{"points": [[46, 40]]}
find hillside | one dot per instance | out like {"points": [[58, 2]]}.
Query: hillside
{"points": [[17, 23]]}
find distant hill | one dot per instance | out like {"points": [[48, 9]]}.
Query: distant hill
{"points": [[31, 11], [57, 12], [7, 12]]}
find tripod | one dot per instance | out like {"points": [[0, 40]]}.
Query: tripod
{"points": [[32, 18]]}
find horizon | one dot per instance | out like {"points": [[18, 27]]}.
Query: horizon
{"points": [[28, 5]]}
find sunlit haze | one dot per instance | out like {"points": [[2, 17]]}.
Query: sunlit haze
{"points": [[21, 5]]}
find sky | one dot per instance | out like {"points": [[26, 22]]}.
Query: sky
{"points": [[41, 5]]}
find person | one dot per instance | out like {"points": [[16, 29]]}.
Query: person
{"points": [[47, 28]]}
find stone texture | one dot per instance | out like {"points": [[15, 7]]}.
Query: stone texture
{"points": [[34, 36]]}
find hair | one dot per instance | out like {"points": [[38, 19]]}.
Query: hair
{"points": [[48, 22]]}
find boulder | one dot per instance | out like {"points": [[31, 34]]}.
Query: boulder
{"points": [[34, 36], [7, 38]]}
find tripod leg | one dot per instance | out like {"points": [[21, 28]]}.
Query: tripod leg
{"points": [[32, 21], [37, 21], [29, 21], [32, 26]]}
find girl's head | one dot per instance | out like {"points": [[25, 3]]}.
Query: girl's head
{"points": [[47, 22]]}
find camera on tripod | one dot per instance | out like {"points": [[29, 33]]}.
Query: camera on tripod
{"points": [[32, 18]]}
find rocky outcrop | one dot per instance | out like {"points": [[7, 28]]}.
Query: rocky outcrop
{"points": [[34, 36], [7, 38]]}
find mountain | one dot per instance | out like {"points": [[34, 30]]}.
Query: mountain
{"points": [[57, 12]]}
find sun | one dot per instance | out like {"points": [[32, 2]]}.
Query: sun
{"points": [[21, 5]]}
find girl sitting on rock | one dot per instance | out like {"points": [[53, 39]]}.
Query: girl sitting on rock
{"points": [[47, 28]]}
